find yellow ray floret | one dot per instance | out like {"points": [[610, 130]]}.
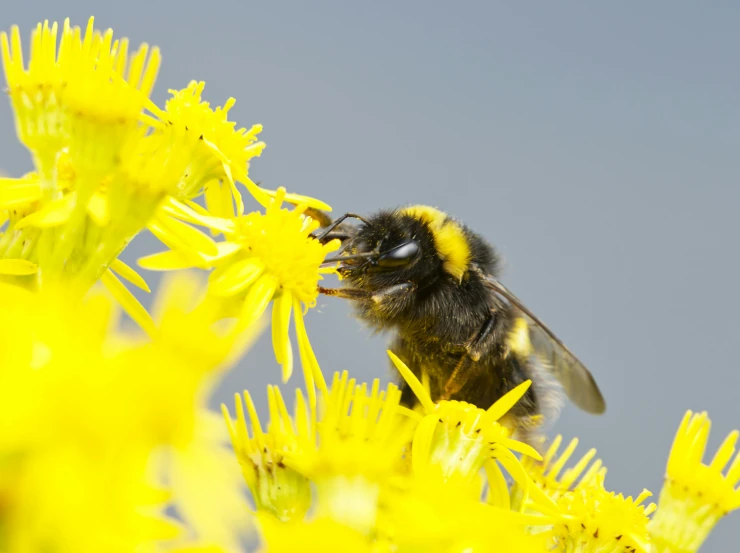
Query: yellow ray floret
{"points": [[548, 473]]}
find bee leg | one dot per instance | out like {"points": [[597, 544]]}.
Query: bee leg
{"points": [[468, 363], [395, 291], [458, 378], [478, 344], [347, 293]]}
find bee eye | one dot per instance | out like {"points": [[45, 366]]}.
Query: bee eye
{"points": [[399, 256]]}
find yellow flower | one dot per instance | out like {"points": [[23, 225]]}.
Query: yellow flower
{"points": [[73, 471], [217, 149], [219, 153], [266, 257], [276, 488], [546, 473], [599, 521], [191, 348], [57, 99], [695, 495], [361, 438], [87, 410], [455, 440], [360, 431], [98, 67], [34, 92], [349, 449], [79, 243], [101, 173]]}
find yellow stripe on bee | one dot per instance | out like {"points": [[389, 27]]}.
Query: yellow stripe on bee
{"points": [[449, 238], [518, 339]]}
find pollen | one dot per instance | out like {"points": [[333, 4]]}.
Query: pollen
{"points": [[519, 341]]}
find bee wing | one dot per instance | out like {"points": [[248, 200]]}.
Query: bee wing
{"points": [[576, 379]]}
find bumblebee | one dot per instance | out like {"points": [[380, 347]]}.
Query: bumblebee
{"points": [[434, 283]]}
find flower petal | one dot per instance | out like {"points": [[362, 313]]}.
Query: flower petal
{"points": [[15, 192], [236, 277], [505, 403], [258, 297], [419, 391], [188, 214], [50, 215], [127, 300], [311, 368], [280, 328], [219, 200], [170, 260], [515, 469], [17, 267], [521, 447], [127, 273], [181, 236], [298, 199], [234, 190], [498, 488]]}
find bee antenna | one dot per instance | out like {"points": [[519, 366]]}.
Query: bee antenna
{"points": [[338, 221], [337, 258]]}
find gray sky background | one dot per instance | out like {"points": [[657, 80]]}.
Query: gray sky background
{"points": [[595, 146]]}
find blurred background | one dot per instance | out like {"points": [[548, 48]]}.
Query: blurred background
{"points": [[595, 146]]}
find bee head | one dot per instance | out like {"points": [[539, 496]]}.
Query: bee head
{"points": [[416, 244]]}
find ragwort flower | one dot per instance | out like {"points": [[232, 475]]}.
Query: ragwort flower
{"points": [[88, 409], [599, 521], [268, 256], [360, 443], [276, 488], [455, 440], [548, 475], [104, 169], [695, 496], [89, 156]]}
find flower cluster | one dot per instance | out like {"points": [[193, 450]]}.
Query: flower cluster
{"points": [[106, 441]]}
